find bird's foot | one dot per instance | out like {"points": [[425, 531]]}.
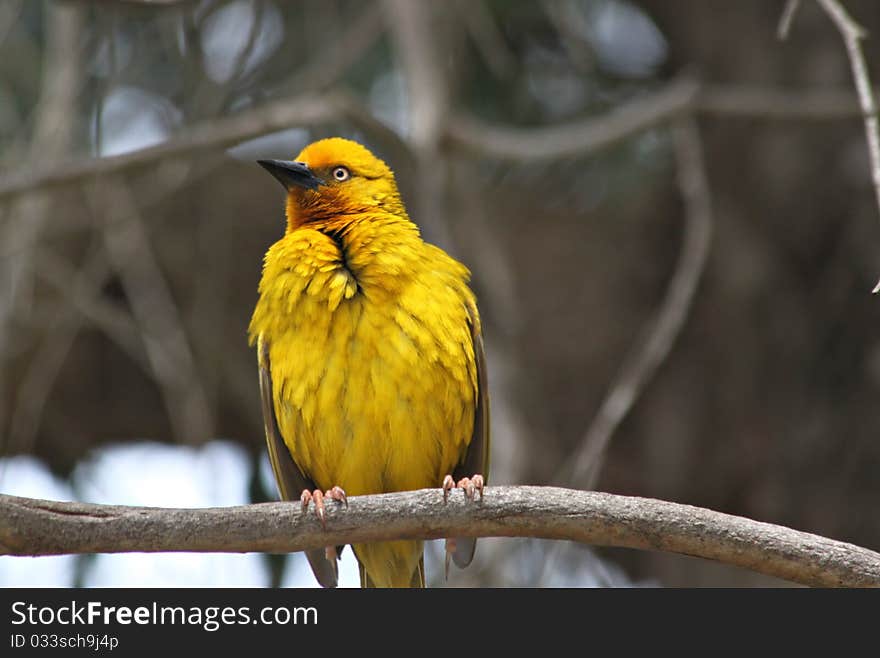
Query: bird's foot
{"points": [[318, 496], [470, 485]]}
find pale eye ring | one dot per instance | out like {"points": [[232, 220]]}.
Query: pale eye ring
{"points": [[341, 174]]}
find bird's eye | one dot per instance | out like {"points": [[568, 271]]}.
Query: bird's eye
{"points": [[341, 174]]}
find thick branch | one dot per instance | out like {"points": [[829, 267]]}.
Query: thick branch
{"points": [[40, 527]]}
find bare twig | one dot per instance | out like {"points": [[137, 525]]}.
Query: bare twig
{"points": [[40, 527], [84, 298], [578, 137], [326, 67], [768, 103], [9, 13], [486, 37], [155, 311], [169, 175], [415, 38], [79, 303], [37, 383], [465, 132], [53, 130], [157, 3], [785, 21], [212, 134], [38, 380], [418, 42], [239, 64], [642, 363], [592, 135], [852, 34], [570, 24]]}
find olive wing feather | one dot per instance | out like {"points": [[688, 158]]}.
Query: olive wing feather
{"points": [[476, 458], [288, 476]]}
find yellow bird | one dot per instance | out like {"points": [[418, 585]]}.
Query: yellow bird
{"points": [[372, 371]]}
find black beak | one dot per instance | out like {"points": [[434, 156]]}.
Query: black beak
{"points": [[291, 174]]}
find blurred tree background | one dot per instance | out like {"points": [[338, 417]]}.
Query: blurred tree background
{"points": [[576, 154]]}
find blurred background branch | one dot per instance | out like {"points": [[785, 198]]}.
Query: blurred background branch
{"points": [[466, 133], [52, 137], [852, 34], [788, 14], [641, 364]]}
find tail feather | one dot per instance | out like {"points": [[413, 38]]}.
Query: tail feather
{"points": [[464, 551], [326, 571], [417, 581], [391, 564]]}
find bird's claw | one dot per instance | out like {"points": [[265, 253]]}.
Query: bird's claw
{"points": [[317, 496], [470, 486], [336, 493], [448, 485]]}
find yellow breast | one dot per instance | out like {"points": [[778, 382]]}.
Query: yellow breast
{"points": [[371, 355]]}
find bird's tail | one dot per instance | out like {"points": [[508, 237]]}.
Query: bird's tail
{"points": [[391, 564]]}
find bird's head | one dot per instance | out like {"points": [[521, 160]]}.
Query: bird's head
{"points": [[333, 179]]}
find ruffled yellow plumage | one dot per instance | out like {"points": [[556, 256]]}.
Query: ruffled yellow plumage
{"points": [[370, 339]]}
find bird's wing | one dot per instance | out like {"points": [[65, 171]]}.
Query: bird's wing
{"points": [[288, 476], [476, 459]]}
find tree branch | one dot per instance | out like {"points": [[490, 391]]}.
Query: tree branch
{"points": [[36, 383], [325, 68], [852, 34], [54, 127], [158, 317], [30, 527], [419, 44], [466, 132], [575, 138], [216, 133], [660, 334], [682, 96], [774, 103], [785, 21]]}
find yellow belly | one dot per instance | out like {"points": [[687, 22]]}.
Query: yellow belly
{"points": [[372, 399]]}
